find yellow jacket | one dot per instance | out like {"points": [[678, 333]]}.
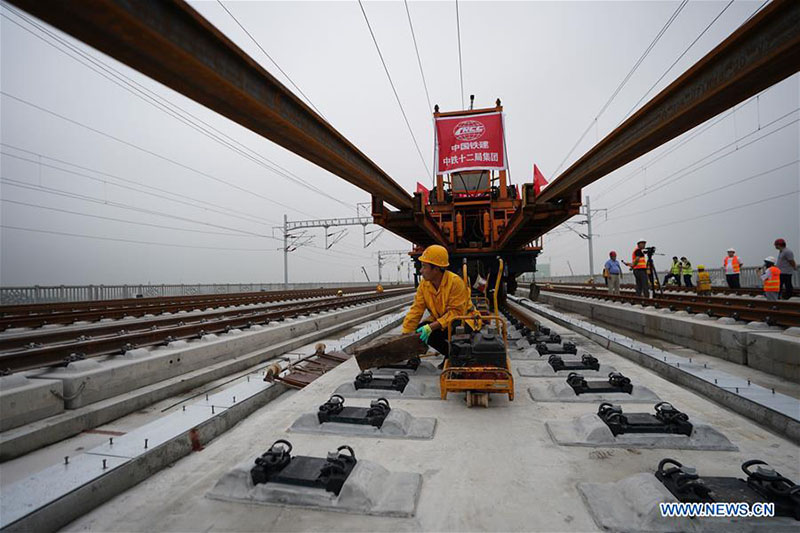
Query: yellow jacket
{"points": [[451, 300], [703, 281]]}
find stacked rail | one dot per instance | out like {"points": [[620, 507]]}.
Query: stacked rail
{"points": [[781, 313], [40, 348]]}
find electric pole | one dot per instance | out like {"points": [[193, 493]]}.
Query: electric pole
{"points": [[589, 234]]}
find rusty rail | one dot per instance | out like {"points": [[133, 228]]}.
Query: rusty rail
{"points": [[152, 335], [780, 313]]}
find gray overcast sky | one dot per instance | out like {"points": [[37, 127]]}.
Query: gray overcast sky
{"points": [[205, 212]]}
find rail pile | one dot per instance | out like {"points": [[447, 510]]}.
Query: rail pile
{"points": [[784, 313], [37, 348]]}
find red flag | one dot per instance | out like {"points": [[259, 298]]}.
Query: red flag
{"points": [[538, 180], [425, 192]]}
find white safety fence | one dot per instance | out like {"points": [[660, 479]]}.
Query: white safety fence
{"points": [[83, 293], [749, 277]]}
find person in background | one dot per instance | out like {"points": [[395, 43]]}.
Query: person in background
{"points": [[771, 276], [686, 272], [787, 265], [674, 272], [732, 266], [703, 281], [614, 270], [639, 265]]}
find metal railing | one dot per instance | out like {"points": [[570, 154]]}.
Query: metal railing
{"points": [[748, 277], [82, 293]]}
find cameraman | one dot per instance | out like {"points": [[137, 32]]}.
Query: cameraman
{"points": [[639, 265]]}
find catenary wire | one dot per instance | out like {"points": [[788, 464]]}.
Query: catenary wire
{"points": [[419, 61], [394, 90], [164, 105], [624, 82]]}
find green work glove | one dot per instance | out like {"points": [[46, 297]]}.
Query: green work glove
{"points": [[424, 332]]}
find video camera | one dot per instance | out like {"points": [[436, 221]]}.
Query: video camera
{"points": [[650, 250]]}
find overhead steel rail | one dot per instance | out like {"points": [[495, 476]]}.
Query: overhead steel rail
{"points": [[170, 42], [762, 52]]}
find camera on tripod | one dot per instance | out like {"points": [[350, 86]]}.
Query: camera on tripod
{"points": [[650, 250]]}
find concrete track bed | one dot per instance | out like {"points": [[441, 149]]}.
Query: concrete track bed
{"points": [[631, 505], [542, 369], [398, 424], [416, 389], [370, 489], [556, 391], [590, 430]]}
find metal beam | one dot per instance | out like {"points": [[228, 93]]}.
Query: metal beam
{"points": [[170, 42], [762, 52]]}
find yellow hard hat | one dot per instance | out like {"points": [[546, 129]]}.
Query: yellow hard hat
{"points": [[701, 267], [379, 288], [435, 255]]}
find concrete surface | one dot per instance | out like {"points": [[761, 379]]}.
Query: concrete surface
{"points": [[780, 412], [89, 381], [631, 505], [398, 424], [590, 430], [370, 489], [494, 469], [418, 388], [24, 400], [542, 369], [760, 346], [31, 436], [559, 391]]}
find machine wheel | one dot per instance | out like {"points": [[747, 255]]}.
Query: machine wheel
{"points": [[477, 399]]}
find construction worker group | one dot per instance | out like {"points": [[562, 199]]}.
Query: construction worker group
{"points": [[776, 274]]}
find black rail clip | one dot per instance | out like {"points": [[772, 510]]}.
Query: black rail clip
{"points": [[587, 362], [277, 465], [666, 420], [334, 411], [408, 364], [763, 485], [616, 383], [365, 380], [565, 348], [550, 338]]}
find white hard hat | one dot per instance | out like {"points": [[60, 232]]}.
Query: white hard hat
{"points": [[770, 259], [731, 250], [641, 240]]}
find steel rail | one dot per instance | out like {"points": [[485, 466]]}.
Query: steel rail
{"points": [[762, 52], [95, 305], [59, 354], [67, 317], [170, 42], [742, 291], [780, 313], [50, 336]]}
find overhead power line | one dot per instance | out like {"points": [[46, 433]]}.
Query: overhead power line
{"points": [[271, 59], [152, 153], [205, 206], [159, 102], [394, 90], [460, 66], [419, 61], [132, 241], [623, 82], [636, 105]]}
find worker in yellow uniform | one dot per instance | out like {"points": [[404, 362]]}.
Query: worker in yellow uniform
{"points": [[703, 281], [444, 295], [771, 276]]}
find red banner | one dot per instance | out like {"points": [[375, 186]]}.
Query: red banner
{"points": [[425, 193], [471, 142]]}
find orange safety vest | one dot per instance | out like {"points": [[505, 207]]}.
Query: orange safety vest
{"points": [[703, 281], [638, 262], [736, 265], [773, 282]]}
